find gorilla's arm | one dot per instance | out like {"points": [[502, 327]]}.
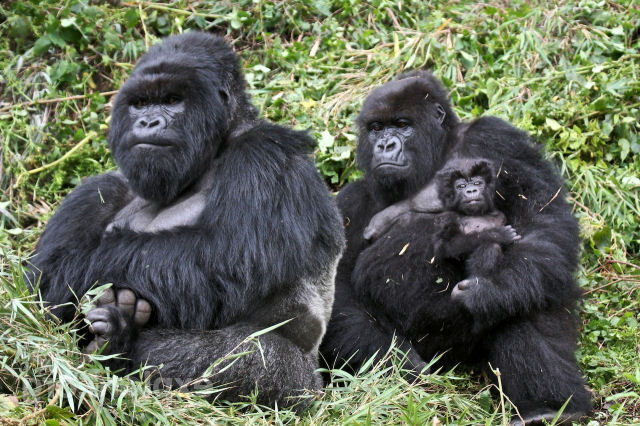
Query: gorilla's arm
{"points": [[353, 333], [452, 242], [538, 271], [404, 212], [64, 250]]}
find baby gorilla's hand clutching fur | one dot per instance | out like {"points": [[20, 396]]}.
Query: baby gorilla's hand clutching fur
{"points": [[115, 319], [510, 235]]}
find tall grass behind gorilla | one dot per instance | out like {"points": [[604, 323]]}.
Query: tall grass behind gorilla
{"points": [[518, 316], [216, 220]]}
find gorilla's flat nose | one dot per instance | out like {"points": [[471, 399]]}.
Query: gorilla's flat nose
{"points": [[150, 122], [388, 148]]}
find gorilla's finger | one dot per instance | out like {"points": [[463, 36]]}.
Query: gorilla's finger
{"points": [[456, 292], [467, 284], [142, 314], [126, 301], [107, 298], [94, 345], [97, 314], [91, 347], [368, 233], [101, 327], [463, 286]]}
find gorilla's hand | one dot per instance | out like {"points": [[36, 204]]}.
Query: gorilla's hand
{"points": [[379, 224], [475, 294], [382, 223], [465, 288], [115, 319], [509, 234]]}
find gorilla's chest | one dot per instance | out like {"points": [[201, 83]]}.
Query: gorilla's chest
{"points": [[144, 216]]}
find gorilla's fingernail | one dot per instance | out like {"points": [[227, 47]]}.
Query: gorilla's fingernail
{"points": [[126, 297], [107, 298]]}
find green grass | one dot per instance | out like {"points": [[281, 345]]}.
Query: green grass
{"points": [[567, 72]]}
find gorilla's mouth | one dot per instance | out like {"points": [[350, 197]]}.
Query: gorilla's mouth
{"points": [[149, 145], [390, 165]]}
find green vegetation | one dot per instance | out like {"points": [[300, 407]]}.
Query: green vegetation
{"points": [[568, 72]]}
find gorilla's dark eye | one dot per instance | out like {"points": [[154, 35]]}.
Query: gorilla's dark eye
{"points": [[461, 185], [140, 102], [403, 123], [172, 99], [376, 127]]}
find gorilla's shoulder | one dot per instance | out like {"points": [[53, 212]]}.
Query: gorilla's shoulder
{"points": [[494, 137], [274, 138], [94, 201], [354, 196], [106, 183]]}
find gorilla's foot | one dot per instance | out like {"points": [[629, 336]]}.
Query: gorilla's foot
{"points": [[115, 318], [545, 417], [512, 234]]}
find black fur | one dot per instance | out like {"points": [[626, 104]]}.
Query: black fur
{"points": [[470, 223], [520, 318], [261, 247]]}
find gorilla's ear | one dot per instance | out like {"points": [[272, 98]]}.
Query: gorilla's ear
{"points": [[224, 95], [440, 113]]}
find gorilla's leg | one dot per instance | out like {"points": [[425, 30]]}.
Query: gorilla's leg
{"points": [[276, 366], [115, 319], [279, 369], [538, 368], [354, 336]]}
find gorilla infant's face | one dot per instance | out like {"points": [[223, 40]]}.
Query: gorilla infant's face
{"points": [[467, 186], [172, 114], [471, 195]]}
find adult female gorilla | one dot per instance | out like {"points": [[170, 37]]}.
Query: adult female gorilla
{"points": [[216, 220], [519, 316]]}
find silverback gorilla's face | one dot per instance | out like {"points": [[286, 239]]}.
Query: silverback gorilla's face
{"points": [[402, 130], [172, 113]]}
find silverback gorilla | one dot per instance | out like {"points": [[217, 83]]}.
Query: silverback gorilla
{"points": [[217, 222], [519, 315]]}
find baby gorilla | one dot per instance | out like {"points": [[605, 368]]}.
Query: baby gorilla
{"points": [[470, 224]]}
